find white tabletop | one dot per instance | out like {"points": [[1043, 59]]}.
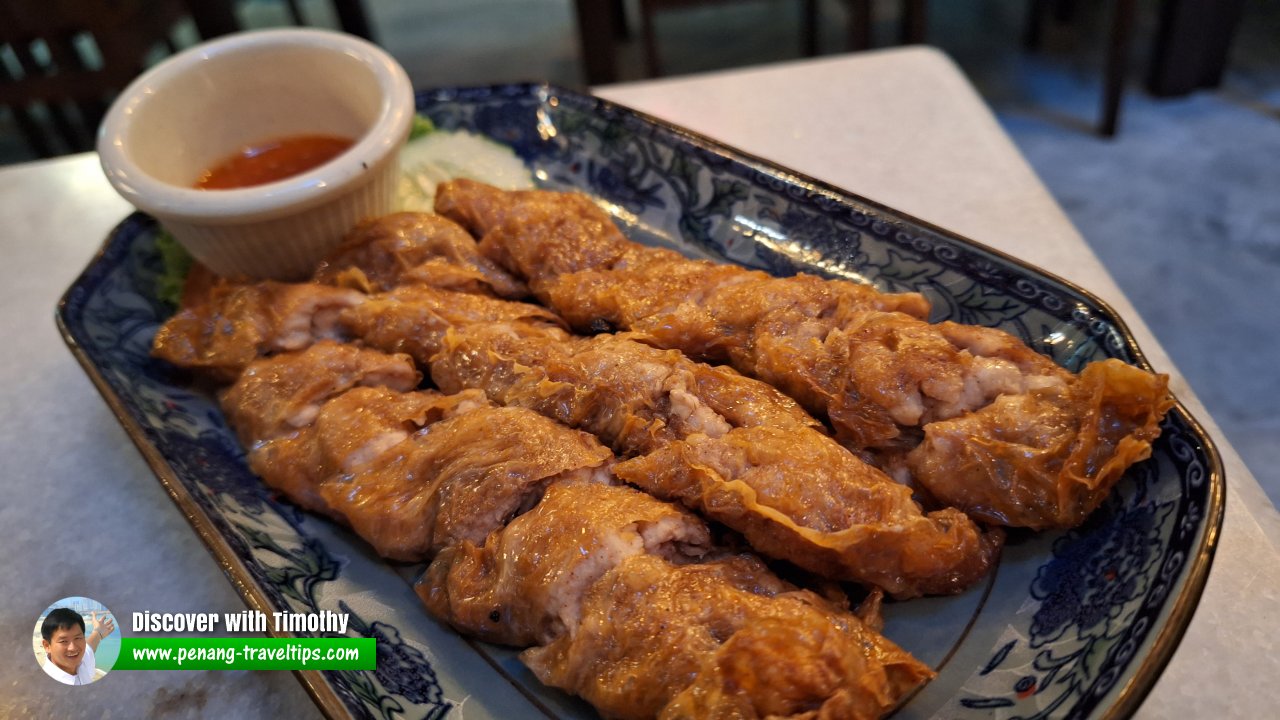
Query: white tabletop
{"points": [[83, 514]]}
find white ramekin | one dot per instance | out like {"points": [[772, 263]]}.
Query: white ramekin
{"points": [[202, 105]]}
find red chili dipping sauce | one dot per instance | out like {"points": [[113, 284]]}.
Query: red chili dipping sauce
{"points": [[272, 160]]}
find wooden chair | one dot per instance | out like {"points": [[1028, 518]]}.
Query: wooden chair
{"points": [[861, 21], [351, 14], [1119, 41], [66, 59], [653, 66], [61, 61]]}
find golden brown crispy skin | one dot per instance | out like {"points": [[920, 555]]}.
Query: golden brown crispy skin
{"points": [[356, 429], [721, 639], [568, 248], [335, 429], [883, 374], [274, 405], [637, 397], [1057, 450], [462, 478], [353, 435], [406, 248], [240, 323], [607, 580], [277, 395], [524, 586], [811, 502], [710, 311], [589, 234], [732, 448], [413, 319], [867, 362]]}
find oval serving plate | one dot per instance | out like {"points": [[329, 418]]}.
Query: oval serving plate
{"points": [[1074, 624]]}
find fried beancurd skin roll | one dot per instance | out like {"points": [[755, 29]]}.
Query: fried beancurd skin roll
{"points": [[413, 319], [578, 261], [239, 323], [407, 248], [712, 312], [460, 478], [336, 429], [525, 585], [276, 395], [354, 434], [274, 404], [722, 638], [1057, 450], [881, 376], [731, 448], [845, 520], [867, 362], [573, 233], [634, 396]]}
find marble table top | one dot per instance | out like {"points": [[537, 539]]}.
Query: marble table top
{"points": [[84, 514]]}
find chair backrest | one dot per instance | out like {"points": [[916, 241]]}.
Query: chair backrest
{"points": [[62, 60]]}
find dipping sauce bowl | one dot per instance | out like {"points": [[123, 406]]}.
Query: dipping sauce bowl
{"points": [[197, 109]]}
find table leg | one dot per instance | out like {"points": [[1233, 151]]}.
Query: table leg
{"points": [[353, 19], [213, 17], [597, 32], [1192, 44], [1117, 63], [915, 21], [860, 24], [809, 27]]}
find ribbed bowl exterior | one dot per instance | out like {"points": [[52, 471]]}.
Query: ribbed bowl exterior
{"points": [[287, 247]]}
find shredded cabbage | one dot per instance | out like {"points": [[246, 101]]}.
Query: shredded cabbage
{"points": [[443, 155]]}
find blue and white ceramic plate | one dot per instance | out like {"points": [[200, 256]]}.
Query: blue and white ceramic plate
{"points": [[1072, 624]]}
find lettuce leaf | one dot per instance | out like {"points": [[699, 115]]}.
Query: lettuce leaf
{"points": [[175, 263]]}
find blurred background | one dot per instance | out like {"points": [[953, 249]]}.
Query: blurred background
{"points": [[1155, 123]]}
